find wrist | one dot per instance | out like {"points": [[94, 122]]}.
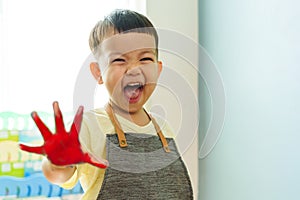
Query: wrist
{"points": [[57, 174], [53, 166], [56, 167]]}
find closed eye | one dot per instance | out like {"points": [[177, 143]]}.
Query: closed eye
{"points": [[147, 59], [118, 60]]}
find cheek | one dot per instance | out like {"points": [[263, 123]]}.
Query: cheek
{"points": [[113, 79], [151, 73]]}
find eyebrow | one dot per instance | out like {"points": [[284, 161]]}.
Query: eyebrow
{"points": [[114, 54], [152, 51]]}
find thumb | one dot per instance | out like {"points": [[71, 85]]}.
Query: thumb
{"points": [[37, 150]]}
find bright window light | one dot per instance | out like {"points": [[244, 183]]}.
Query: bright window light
{"points": [[43, 45]]}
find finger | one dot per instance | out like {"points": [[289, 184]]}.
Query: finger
{"points": [[96, 162], [38, 150], [46, 133], [59, 122], [75, 128]]}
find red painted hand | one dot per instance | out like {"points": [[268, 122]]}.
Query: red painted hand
{"points": [[62, 148]]}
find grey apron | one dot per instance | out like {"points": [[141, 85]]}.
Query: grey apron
{"points": [[143, 166]]}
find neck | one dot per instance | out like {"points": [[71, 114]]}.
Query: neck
{"points": [[139, 117]]}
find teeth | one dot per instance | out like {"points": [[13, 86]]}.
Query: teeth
{"points": [[134, 84]]}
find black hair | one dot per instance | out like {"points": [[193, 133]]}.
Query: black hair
{"points": [[122, 21]]}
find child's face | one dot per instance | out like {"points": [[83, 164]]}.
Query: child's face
{"points": [[130, 69]]}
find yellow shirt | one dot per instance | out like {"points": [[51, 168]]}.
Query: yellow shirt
{"points": [[96, 124]]}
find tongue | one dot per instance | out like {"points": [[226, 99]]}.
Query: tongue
{"points": [[132, 92]]}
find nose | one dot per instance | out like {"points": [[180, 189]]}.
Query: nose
{"points": [[134, 71]]}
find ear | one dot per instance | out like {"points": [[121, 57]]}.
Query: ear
{"points": [[96, 72], [160, 66]]}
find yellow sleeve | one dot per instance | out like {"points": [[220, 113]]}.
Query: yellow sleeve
{"points": [[69, 184]]}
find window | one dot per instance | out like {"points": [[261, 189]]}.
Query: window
{"points": [[43, 45]]}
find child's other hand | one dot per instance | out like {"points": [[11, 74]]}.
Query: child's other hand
{"points": [[62, 148]]}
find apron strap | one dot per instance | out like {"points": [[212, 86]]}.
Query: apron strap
{"points": [[160, 134], [121, 135]]}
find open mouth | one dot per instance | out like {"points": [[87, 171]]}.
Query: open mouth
{"points": [[133, 91]]}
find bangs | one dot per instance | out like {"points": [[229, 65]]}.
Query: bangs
{"points": [[125, 21]]}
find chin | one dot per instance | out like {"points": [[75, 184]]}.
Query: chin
{"points": [[134, 108]]}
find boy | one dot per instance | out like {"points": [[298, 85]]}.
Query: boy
{"points": [[143, 163]]}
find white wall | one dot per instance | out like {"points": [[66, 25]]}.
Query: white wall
{"points": [[180, 17], [256, 46]]}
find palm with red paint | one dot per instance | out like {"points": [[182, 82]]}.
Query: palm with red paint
{"points": [[62, 148]]}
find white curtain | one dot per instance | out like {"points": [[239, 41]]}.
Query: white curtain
{"points": [[43, 45]]}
